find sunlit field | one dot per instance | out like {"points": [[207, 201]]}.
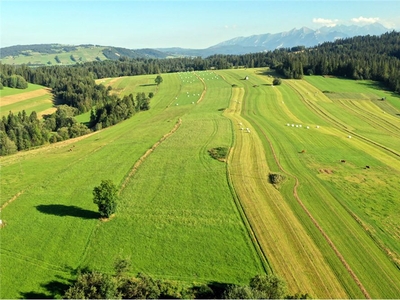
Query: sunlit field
{"points": [[329, 228]]}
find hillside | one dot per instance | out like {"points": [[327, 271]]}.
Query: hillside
{"points": [[58, 54], [330, 228]]}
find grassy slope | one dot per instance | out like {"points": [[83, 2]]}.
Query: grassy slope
{"points": [[34, 98], [282, 236], [86, 54], [329, 210], [179, 199], [28, 247]]}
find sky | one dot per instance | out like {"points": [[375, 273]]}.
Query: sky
{"points": [[136, 24]]}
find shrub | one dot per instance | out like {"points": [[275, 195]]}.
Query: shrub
{"points": [[276, 178], [219, 153], [277, 81]]}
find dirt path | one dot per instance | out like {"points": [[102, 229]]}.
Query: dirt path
{"points": [[11, 200], [147, 153], [204, 90]]}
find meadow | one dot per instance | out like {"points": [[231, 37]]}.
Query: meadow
{"points": [[34, 98], [57, 194], [81, 54], [330, 228]]}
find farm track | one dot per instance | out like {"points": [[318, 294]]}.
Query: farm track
{"points": [[147, 153], [261, 228], [334, 121], [203, 93], [11, 200]]}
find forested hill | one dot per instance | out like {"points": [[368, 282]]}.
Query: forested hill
{"points": [[363, 57], [57, 54]]}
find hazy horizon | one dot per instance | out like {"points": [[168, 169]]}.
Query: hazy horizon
{"points": [[187, 24]]}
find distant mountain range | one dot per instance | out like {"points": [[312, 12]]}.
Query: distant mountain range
{"points": [[50, 54], [296, 37]]}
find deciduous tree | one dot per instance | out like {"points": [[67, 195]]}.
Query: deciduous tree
{"points": [[105, 196]]}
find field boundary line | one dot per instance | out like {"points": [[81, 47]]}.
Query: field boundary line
{"points": [[11, 200], [147, 153], [324, 234], [204, 85]]}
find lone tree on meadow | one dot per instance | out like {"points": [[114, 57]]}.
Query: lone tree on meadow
{"points": [[105, 196], [158, 79]]}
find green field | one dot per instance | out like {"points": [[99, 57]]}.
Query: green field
{"points": [[34, 98], [331, 228], [82, 54]]}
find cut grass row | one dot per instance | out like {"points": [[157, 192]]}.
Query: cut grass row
{"points": [[327, 209], [34, 98], [282, 236]]}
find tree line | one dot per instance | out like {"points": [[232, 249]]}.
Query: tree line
{"points": [[120, 285], [362, 57], [21, 132]]}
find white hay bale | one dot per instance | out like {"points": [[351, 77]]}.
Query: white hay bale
{"points": [[349, 136], [317, 126], [308, 127]]}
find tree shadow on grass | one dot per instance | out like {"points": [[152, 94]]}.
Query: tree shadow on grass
{"points": [[67, 210], [55, 290]]}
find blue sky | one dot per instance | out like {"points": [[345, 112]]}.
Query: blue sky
{"points": [[188, 24]]}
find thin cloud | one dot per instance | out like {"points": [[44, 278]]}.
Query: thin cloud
{"points": [[325, 22], [230, 26], [364, 20]]}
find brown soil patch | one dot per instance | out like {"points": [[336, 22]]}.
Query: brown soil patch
{"points": [[23, 96], [326, 171], [107, 219], [48, 111]]}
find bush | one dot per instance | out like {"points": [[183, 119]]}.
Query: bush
{"points": [[276, 178], [277, 81], [219, 153]]}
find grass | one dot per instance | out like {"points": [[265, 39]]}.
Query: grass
{"points": [[184, 215], [219, 153], [327, 207], [34, 98], [82, 54], [200, 222]]}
